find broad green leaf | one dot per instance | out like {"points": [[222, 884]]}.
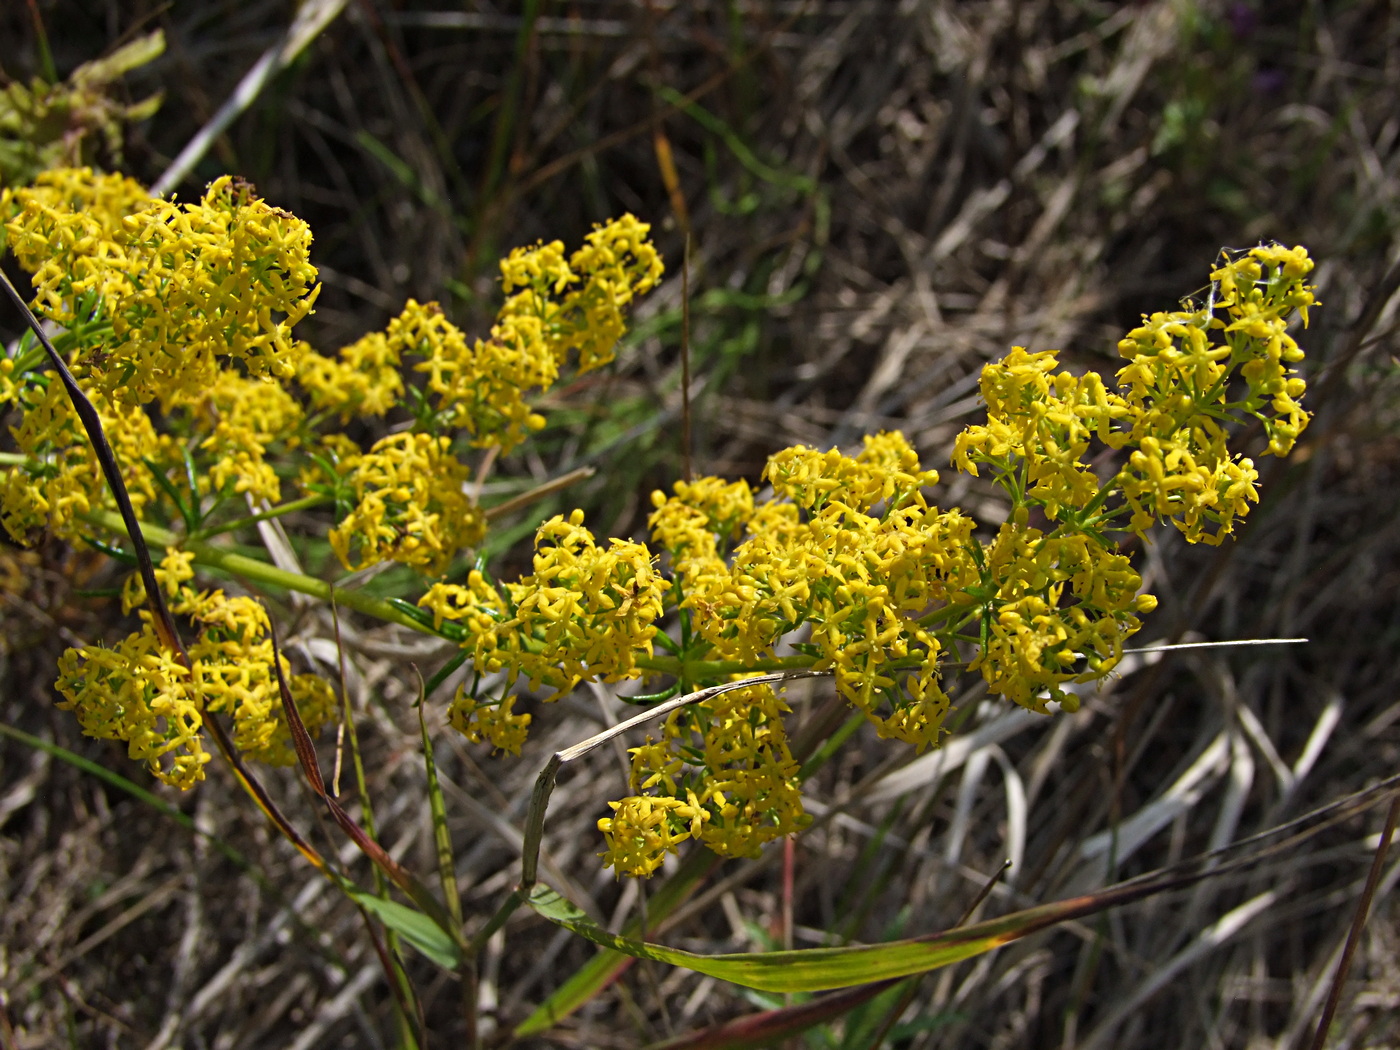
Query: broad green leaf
{"points": [[414, 927]]}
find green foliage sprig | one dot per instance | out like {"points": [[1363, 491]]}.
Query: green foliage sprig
{"points": [[46, 124]]}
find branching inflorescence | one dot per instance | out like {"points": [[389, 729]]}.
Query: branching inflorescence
{"points": [[178, 321]]}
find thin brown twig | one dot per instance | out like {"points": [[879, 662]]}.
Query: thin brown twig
{"points": [[1358, 923]]}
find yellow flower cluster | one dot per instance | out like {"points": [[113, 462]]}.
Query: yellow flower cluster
{"points": [[243, 418], [847, 567], [62, 479], [553, 305], [233, 673], [494, 721], [184, 303], [851, 566], [848, 547], [137, 693], [1057, 609], [411, 505], [1039, 428], [644, 828], [177, 320], [740, 790], [1179, 393], [364, 381], [587, 612], [180, 286], [193, 304]]}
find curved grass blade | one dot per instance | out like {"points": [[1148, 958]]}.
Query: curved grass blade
{"points": [[821, 969]]}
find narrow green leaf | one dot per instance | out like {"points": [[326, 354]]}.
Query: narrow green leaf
{"points": [[169, 489], [807, 970], [822, 969], [414, 927], [445, 672], [100, 73]]}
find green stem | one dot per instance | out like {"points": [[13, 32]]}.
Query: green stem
{"points": [[504, 912], [256, 571]]}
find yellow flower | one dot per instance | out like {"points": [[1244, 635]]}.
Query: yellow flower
{"points": [[233, 673], [138, 694], [723, 772], [62, 479], [643, 829], [411, 506], [181, 284], [495, 722], [587, 612], [244, 417]]}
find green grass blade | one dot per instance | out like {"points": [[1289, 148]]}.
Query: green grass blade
{"points": [[806, 970], [823, 969]]}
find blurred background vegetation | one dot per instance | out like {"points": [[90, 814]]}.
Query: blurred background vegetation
{"points": [[879, 197]]}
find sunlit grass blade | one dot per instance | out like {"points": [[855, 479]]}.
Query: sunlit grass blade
{"points": [[821, 969]]}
